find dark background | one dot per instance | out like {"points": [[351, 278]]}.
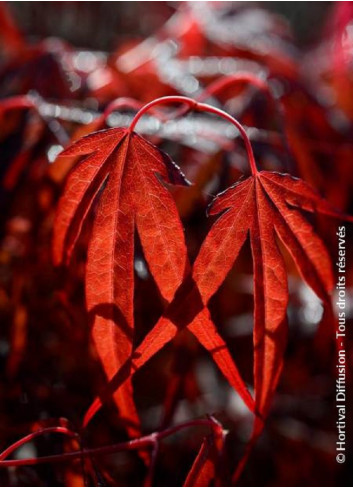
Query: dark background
{"points": [[102, 25]]}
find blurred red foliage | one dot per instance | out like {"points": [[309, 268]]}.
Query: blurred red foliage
{"points": [[297, 111]]}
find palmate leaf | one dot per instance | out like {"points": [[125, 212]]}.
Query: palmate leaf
{"points": [[267, 207], [125, 172]]}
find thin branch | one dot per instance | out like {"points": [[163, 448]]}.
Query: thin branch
{"points": [[141, 443]]}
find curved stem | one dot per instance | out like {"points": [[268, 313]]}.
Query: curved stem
{"points": [[227, 81], [194, 105], [231, 80], [31, 436], [147, 441], [232, 120], [159, 101]]}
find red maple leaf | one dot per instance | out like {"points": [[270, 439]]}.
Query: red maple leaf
{"points": [[267, 207], [126, 173]]}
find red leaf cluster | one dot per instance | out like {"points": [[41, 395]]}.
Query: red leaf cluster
{"points": [[117, 264]]}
